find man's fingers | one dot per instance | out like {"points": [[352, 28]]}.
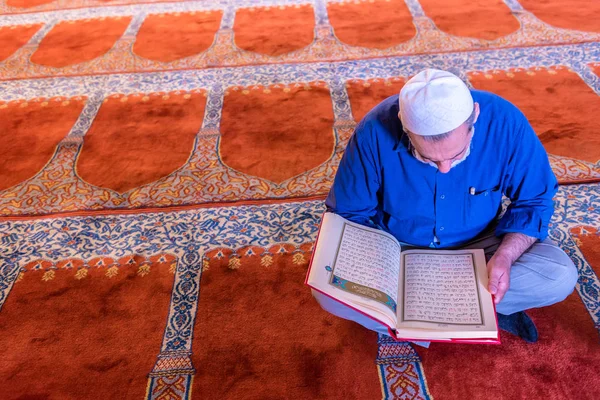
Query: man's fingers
{"points": [[495, 277], [502, 287], [493, 286], [499, 278], [498, 298]]}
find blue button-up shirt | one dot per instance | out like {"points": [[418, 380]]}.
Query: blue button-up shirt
{"points": [[379, 181]]}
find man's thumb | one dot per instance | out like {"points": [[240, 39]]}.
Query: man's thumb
{"points": [[493, 286]]}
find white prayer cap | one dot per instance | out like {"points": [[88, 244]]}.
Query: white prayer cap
{"points": [[434, 102]]}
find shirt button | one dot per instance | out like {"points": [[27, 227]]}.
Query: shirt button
{"points": [[441, 228], [443, 197]]}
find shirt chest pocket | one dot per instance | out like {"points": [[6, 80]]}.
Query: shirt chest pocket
{"points": [[481, 205]]}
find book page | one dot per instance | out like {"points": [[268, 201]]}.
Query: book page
{"points": [[367, 264], [320, 272], [441, 288]]}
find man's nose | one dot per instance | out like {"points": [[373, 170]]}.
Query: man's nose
{"points": [[444, 166]]}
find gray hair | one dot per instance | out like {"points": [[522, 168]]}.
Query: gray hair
{"points": [[444, 136]]}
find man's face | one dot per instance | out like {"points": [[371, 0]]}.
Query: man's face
{"points": [[443, 153]]}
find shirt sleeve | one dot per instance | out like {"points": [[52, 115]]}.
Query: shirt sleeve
{"points": [[530, 184], [354, 191]]}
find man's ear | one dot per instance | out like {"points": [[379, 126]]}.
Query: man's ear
{"points": [[476, 106]]}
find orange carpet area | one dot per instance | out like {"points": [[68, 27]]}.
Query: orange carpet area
{"points": [[162, 173]]}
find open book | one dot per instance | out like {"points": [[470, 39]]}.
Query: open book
{"points": [[435, 295]]}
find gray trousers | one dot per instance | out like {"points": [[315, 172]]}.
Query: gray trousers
{"points": [[542, 276]]}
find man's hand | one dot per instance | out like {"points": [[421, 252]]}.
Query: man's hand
{"points": [[499, 276], [512, 247]]}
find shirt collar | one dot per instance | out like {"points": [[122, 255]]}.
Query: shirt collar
{"points": [[403, 144]]}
